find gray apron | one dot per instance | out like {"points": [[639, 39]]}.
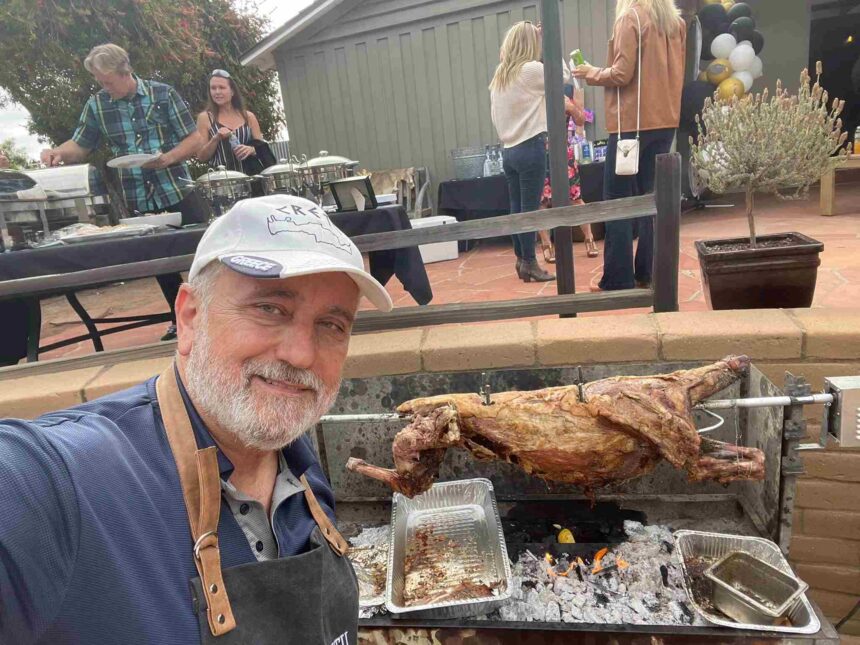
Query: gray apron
{"points": [[306, 599]]}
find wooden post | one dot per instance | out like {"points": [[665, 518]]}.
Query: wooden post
{"points": [[828, 192], [667, 232], [557, 133]]}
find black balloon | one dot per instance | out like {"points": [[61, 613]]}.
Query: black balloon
{"points": [[707, 40], [712, 16], [757, 42], [740, 10], [693, 101], [743, 28]]}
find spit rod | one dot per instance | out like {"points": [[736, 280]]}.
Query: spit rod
{"points": [[717, 404]]}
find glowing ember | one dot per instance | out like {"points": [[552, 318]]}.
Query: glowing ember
{"points": [[621, 563]]}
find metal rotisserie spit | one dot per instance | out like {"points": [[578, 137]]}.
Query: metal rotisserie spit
{"points": [[617, 563]]}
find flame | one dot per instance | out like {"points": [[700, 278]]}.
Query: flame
{"points": [[550, 561], [598, 557], [621, 563]]}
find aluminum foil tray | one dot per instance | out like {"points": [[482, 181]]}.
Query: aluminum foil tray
{"points": [[705, 549], [449, 537]]}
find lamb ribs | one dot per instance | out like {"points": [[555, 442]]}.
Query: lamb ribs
{"points": [[607, 431]]}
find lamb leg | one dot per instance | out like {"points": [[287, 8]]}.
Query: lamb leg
{"points": [[725, 462]]}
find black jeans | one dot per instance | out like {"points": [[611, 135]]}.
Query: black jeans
{"points": [[619, 269], [525, 170], [195, 210]]}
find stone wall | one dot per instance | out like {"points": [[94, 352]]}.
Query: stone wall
{"points": [[814, 343]]}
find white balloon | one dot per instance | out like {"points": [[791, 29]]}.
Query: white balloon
{"points": [[746, 78], [745, 42], [742, 58], [723, 45], [757, 68]]}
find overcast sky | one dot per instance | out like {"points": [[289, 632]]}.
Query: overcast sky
{"points": [[13, 121]]}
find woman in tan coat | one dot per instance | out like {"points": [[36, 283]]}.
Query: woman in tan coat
{"points": [[663, 35]]}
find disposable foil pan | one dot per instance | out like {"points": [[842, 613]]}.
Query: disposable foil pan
{"points": [[451, 534], [708, 548], [752, 591]]}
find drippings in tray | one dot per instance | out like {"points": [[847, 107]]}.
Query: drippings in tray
{"points": [[439, 569]]}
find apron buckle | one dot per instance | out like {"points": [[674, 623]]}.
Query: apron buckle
{"points": [[199, 543]]}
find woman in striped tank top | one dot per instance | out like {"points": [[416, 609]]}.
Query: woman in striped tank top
{"points": [[225, 116]]}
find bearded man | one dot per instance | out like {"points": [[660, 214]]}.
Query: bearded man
{"points": [[192, 507]]}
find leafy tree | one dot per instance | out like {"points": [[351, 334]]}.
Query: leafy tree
{"points": [[16, 155], [43, 44]]}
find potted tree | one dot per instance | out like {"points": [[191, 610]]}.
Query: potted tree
{"points": [[777, 144]]}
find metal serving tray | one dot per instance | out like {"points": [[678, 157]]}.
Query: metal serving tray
{"points": [[752, 591], [452, 534], [712, 547]]}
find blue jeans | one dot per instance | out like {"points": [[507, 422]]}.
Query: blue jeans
{"points": [[619, 269], [525, 170]]}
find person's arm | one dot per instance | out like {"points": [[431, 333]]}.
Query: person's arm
{"points": [[256, 132], [4, 161], [624, 65], [574, 111], [39, 533], [210, 144], [68, 152], [186, 149], [86, 138]]}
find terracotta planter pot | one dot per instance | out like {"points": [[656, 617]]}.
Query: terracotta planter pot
{"points": [[760, 278]]}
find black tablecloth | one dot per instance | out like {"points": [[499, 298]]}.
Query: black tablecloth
{"points": [[468, 199], [406, 263]]}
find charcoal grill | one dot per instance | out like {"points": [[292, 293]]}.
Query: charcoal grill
{"points": [[530, 507]]}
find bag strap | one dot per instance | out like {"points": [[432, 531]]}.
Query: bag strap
{"points": [[639, 83], [201, 490]]}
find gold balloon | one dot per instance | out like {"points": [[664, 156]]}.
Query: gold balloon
{"points": [[704, 75], [729, 88], [719, 70], [728, 4], [713, 2]]}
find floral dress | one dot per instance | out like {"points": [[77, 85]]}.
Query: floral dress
{"points": [[572, 168]]}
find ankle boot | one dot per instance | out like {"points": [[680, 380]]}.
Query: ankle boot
{"points": [[520, 273], [532, 272]]}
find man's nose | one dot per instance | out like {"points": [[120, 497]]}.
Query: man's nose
{"points": [[298, 346]]}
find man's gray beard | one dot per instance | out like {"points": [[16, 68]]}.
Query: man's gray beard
{"points": [[268, 423]]}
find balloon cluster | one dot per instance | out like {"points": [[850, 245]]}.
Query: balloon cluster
{"points": [[731, 45]]}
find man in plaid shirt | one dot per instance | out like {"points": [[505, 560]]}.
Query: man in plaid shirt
{"points": [[134, 116]]}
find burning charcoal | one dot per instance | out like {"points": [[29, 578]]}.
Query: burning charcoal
{"points": [[603, 600], [578, 573], [668, 546], [664, 573]]}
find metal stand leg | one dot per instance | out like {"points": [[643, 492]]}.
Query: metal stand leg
{"points": [[793, 432], [95, 336], [34, 328]]}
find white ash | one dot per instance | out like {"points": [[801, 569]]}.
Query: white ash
{"points": [[635, 595]]}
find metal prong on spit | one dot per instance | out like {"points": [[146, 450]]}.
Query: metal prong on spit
{"points": [[718, 424], [486, 389]]}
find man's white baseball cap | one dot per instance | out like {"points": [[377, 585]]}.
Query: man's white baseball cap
{"points": [[281, 236]]}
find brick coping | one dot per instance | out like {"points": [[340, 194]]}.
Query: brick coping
{"points": [[822, 341]]}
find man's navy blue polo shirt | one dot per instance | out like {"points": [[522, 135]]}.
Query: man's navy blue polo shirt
{"points": [[95, 546]]}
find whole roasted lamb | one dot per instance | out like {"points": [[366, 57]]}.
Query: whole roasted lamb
{"points": [[592, 435]]}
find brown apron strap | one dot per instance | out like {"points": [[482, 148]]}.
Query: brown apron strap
{"points": [[201, 488], [330, 533]]}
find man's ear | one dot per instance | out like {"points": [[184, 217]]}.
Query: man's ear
{"points": [[188, 316]]}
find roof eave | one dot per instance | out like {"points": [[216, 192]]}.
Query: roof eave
{"points": [[261, 55]]}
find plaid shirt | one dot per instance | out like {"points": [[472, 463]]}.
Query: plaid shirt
{"points": [[153, 119]]}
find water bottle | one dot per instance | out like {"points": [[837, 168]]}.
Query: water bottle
{"points": [[586, 152], [234, 141], [857, 141], [488, 163]]}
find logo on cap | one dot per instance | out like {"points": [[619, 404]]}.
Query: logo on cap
{"points": [[311, 222], [253, 266]]}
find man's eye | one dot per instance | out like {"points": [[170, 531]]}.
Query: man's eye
{"points": [[268, 309], [335, 326]]}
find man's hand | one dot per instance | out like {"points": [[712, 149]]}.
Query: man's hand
{"points": [[163, 161], [51, 157], [4, 161], [582, 71], [243, 152]]}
